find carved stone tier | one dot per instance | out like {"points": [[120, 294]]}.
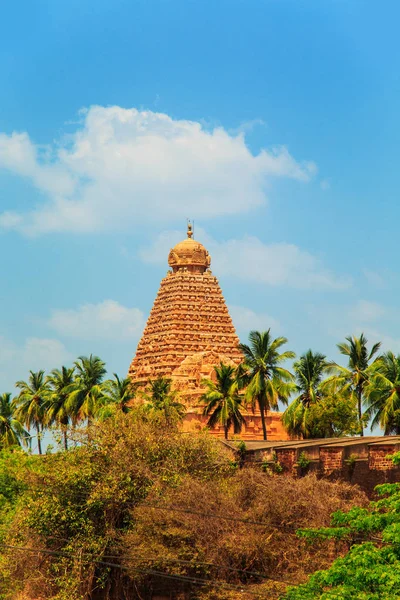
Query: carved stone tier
{"points": [[188, 332]]}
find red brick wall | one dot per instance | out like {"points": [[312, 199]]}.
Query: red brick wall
{"points": [[331, 459], [286, 458], [377, 458]]}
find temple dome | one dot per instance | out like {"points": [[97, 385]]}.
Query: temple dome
{"points": [[189, 255]]}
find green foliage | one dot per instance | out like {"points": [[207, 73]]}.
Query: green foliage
{"points": [[117, 395], [303, 461], [223, 400], [103, 502], [79, 503], [333, 416], [371, 568], [30, 404], [351, 461], [87, 389], [351, 382], [12, 432], [60, 384], [266, 380], [163, 402], [309, 371], [276, 465], [383, 393]]}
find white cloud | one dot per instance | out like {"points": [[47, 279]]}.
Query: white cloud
{"points": [[33, 354], [123, 166], [42, 353], [365, 311], [375, 279], [249, 259], [246, 320], [107, 320]]}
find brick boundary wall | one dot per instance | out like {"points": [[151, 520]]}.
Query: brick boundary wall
{"points": [[331, 459], [286, 458], [377, 459], [359, 461]]}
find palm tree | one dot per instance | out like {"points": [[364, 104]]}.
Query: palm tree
{"points": [[267, 382], [223, 400], [117, 395], [351, 381], [382, 393], [309, 373], [160, 398], [60, 384], [31, 403], [12, 432], [87, 388], [120, 392]]}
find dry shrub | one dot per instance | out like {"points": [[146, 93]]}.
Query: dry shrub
{"points": [[185, 542], [100, 503]]}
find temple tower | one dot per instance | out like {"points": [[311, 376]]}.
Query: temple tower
{"points": [[189, 329], [188, 332]]}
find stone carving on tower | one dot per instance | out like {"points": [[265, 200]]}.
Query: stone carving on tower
{"points": [[189, 332]]}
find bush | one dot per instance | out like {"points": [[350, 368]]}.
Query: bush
{"points": [[371, 568], [102, 503]]}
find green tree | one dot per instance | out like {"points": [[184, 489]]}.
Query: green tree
{"points": [[60, 384], [160, 398], [87, 388], [117, 396], [12, 432], [31, 403], [309, 371], [371, 568], [266, 380], [223, 400], [332, 416], [351, 381], [383, 394]]}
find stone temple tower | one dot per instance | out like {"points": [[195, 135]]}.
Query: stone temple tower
{"points": [[188, 332]]}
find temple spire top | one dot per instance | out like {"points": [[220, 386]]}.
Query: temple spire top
{"points": [[189, 255]]}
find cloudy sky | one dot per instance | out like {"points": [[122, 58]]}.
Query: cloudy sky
{"points": [[275, 125]]}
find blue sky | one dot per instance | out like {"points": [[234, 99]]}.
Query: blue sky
{"points": [[274, 124]]}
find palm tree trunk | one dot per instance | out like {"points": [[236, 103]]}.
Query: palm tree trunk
{"points": [[39, 439], [359, 398], [264, 425], [65, 439], [226, 431]]}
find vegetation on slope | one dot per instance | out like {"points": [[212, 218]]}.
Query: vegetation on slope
{"points": [[139, 508]]}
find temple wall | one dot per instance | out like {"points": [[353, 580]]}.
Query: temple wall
{"points": [[251, 431]]}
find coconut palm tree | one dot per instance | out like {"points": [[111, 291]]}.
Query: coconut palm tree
{"points": [[267, 381], [119, 392], [223, 400], [31, 403], [12, 432], [309, 372], [117, 395], [351, 381], [382, 393], [160, 398], [60, 384], [87, 388]]}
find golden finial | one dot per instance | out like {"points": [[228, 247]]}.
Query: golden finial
{"points": [[189, 229]]}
